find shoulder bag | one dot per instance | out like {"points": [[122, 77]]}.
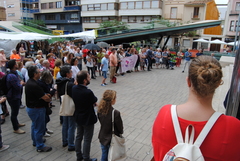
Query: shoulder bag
{"points": [[117, 148], [67, 107]]}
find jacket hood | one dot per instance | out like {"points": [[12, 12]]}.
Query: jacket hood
{"points": [[62, 80]]}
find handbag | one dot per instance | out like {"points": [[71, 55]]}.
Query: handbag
{"points": [[117, 148], [67, 107]]}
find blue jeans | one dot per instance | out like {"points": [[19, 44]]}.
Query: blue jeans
{"points": [[37, 115], [79, 66], [87, 132], [68, 131], [15, 105], [105, 150]]}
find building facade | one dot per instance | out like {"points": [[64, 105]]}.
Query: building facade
{"points": [[2, 14], [231, 20], [62, 15]]}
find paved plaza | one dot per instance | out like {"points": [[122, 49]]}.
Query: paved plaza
{"points": [[140, 95]]}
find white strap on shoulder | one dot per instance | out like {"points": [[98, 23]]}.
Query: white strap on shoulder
{"points": [[66, 88], [176, 125], [113, 121], [207, 128]]}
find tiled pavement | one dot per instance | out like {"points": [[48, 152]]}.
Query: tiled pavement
{"points": [[140, 95]]}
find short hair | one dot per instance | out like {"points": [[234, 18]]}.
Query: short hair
{"points": [[73, 60], [81, 76], [39, 51], [32, 69], [58, 63], [46, 76], [64, 70], [11, 63], [45, 61], [29, 63], [41, 60]]}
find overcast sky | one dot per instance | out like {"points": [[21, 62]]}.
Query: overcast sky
{"points": [[221, 1]]}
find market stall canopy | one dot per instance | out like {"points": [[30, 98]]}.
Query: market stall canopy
{"points": [[201, 40], [217, 41], [85, 35], [22, 36], [232, 43]]}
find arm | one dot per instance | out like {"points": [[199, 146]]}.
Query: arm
{"points": [[118, 122], [46, 98]]}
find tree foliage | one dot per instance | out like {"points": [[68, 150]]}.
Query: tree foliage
{"points": [[113, 26]]}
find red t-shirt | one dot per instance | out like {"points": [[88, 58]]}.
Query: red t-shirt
{"points": [[221, 144]]}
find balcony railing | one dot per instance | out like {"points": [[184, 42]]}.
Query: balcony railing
{"points": [[29, 1], [176, 17], [34, 11], [70, 8], [234, 11]]}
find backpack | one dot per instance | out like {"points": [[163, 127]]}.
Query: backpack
{"points": [[188, 151], [3, 85]]}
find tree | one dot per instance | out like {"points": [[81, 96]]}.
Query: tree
{"points": [[113, 26]]}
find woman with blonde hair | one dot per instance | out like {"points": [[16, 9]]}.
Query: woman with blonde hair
{"points": [[222, 141], [105, 110]]}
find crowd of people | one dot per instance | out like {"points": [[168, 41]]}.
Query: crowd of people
{"points": [[60, 71]]}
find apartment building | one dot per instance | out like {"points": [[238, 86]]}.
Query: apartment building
{"points": [[2, 14], [137, 13], [231, 20], [185, 11], [59, 14], [17, 9]]}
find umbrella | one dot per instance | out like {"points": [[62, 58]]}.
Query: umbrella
{"points": [[102, 44], [232, 43], [201, 40], [217, 41], [91, 47]]}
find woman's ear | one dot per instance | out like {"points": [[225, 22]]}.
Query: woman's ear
{"points": [[188, 82]]}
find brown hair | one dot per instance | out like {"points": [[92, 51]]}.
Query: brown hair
{"points": [[106, 102], [205, 74], [58, 63]]}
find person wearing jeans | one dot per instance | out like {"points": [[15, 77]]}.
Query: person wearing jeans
{"points": [[84, 100], [36, 100], [68, 123], [14, 96], [2, 147], [187, 59]]}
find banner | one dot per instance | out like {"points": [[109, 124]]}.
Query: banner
{"points": [[128, 63]]}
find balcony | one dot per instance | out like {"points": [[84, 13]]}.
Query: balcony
{"points": [[234, 12], [171, 17], [34, 10], [71, 8], [29, 1], [139, 12], [99, 13], [85, 2]]}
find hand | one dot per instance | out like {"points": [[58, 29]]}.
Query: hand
{"points": [[22, 83]]}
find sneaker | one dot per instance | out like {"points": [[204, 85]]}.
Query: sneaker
{"points": [[19, 131], [47, 135], [4, 147], [21, 125], [71, 149], [45, 149], [22, 106], [49, 131], [103, 85]]}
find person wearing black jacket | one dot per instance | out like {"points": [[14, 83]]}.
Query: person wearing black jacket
{"points": [[68, 124], [84, 100]]}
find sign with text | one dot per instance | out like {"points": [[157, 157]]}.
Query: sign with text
{"points": [[128, 63]]}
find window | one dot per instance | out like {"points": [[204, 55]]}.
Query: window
{"points": [[105, 18], [237, 6], [196, 12], [92, 19], [124, 5], [10, 6], [98, 20], [84, 8], [37, 17], [139, 19], [86, 19], [59, 4], [44, 6], [103, 6], [124, 19], [11, 14], [146, 4], [74, 16], [186, 42], [130, 5], [147, 18], [50, 17], [110, 6], [138, 5], [155, 4], [173, 13], [236, 26], [51, 5], [231, 28], [72, 2], [35, 6], [62, 17], [132, 19], [97, 7]]}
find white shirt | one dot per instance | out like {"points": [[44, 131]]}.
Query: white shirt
{"points": [[75, 70]]}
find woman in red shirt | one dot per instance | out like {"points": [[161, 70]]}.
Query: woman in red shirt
{"points": [[223, 141]]}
